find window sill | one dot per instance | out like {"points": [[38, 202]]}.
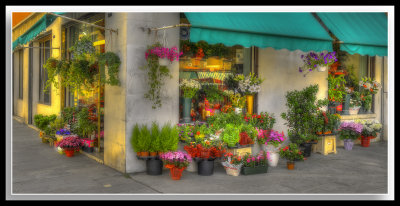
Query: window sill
{"points": [[358, 116]]}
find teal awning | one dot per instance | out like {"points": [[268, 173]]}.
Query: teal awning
{"points": [[35, 30], [279, 30], [361, 32]]}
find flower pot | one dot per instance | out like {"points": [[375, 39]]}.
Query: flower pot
{"points": [[348, 144], [254, 170], [339, 107], [205, 167], [69, 152], [232, 171], [153, 154], [365, 141], [154, 167], [187, 104], [290, 165], [163, 61], [176, 173], [238, 110], [354, 110], [273, 159], [205, 153], [192, 167], [144, 154], [306, 149], [321, 68], [249, 102]]}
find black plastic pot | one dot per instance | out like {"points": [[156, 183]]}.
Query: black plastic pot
{"points": [[154, 166], [306, 147], [205, 167]]}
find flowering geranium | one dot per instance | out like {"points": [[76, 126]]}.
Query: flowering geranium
{"points": [[63, 132], [189, 87], [249, 84], [370, 127], [162, 52], [312, 60], [260, 159], [177, 159], [291, 152], [350, 130], [72, 141]]}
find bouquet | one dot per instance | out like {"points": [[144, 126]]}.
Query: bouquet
{"points": [[370, 127], [176, 159], [291, 152], [369, 86], [312, 60], [249, 84], [72, 141], [189, 87], [350, 130]]}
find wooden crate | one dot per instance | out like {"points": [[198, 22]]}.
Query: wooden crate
{"points": [[326, 145]]}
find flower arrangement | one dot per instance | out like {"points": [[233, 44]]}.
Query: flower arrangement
{"points": [[238, 100], [162, 52], [232, 160], [350, 130], [249, 84], [72, 141], [312, 60], [370, 127], [291, 152], [189, 87], [63, 132], [355, 100], [176, 159], [369, 86], [260, 159], [275, 138]]}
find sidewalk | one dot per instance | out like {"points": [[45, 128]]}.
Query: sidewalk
{"points": [[38, 169]]}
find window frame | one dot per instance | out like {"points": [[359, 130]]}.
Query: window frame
{"points": [[42, 71]]}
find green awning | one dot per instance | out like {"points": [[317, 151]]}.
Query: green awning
{"points": [[361, 32], [35, 30], [279, 30]]}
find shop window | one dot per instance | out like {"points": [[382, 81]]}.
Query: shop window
{"points": [[210, 65], [44, 54], [21, 74]]}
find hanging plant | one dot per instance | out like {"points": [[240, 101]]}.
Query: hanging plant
{"points": [[157, 73], [112, 61]]}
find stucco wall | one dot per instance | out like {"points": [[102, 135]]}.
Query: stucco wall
{"points": [[279, 68], [138, 109], [114, 96]]}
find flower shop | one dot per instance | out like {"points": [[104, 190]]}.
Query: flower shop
{"points": [[214, 91]]}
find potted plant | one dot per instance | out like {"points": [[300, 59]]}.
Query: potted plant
{"points": [[169, 138], [368, 87], [336, 92], [248, 134], [232, 164], [355, 103], [135, 138], [312, 61], [255, 164], [370, 130], [249, 85], [349, 131], [189, 89], [230, 135], [70, 144], [238, 102], [272, 145], [43, 123], [176, 161], [300, 116], [144, 141], [291, 153]]}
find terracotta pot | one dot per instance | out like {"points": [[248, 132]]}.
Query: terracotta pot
{"points": [[339, 108], [290, 165], [144, 153], [153, 154], [176, 173], [328, 132], [69, 152]]}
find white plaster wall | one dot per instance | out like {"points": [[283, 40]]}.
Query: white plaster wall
{"points": [[279, 68], [138, 109]]}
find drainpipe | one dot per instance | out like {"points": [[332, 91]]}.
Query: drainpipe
{"points": [[382, 98]]}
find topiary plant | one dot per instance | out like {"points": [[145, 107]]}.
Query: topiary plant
{"points": [[155, 144], [135, 138], [144, 139]]}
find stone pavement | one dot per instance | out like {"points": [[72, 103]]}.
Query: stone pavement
{"points": [[37, 170]]}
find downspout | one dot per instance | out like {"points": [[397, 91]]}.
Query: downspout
{"points": [[382, 99]]}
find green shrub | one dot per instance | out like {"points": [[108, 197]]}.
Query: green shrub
{"points": [[43, 121], [135, 138], [230, 135], [155, 144]]}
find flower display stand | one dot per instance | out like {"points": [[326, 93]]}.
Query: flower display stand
{"points": [[241, 151], [326, 145]]}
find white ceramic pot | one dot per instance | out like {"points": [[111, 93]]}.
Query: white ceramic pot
{"points": [[273, 159], [354, 110], [321, 68], [192, 167]]}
